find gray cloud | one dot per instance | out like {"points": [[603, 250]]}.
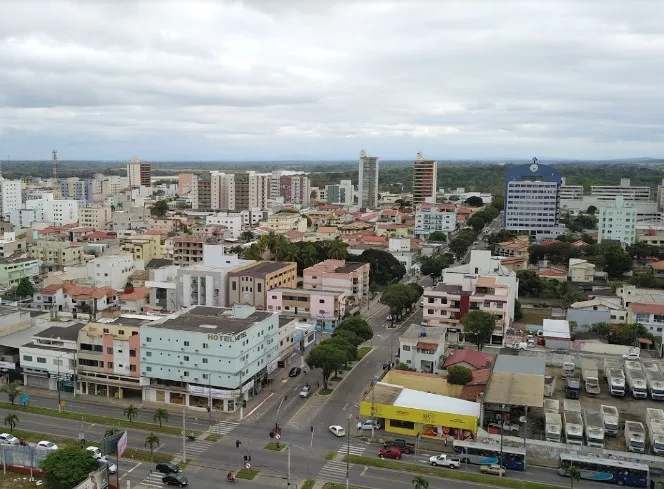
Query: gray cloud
{"points": [[262, 78]]}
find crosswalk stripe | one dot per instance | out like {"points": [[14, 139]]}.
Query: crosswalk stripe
{"points": [[354, 450], [313, 403], [223, 427], [333, 470]]}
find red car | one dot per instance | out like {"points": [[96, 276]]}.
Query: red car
{"points": [[391, 452]]}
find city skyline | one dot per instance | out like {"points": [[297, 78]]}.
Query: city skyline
{"points": [[255, 81]]}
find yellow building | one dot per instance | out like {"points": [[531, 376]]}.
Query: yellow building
{"points": [[411, 412], [143, 248], [282, 223]]}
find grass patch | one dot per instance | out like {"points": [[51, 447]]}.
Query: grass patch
{"points": [[14, 480], [362, 352], [144, 456], [330, 455], [308, 484], [273, 446], [184, 465], [214, 437], [247, 474], [535, 316], [325, 392], [91, 418], [449, 473]]}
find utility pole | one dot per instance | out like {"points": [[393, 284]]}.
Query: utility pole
{"points": [[311, 447], [288, 448], [184, 434], [348, 453], [58, 384], [209, 399]]}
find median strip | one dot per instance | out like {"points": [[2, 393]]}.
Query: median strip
{"points": [[92, 418], [448, 473]]}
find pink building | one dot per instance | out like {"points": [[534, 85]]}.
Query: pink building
{"points": [[341, 276], [326, 307], [185, 183]]}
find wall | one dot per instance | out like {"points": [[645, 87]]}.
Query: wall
{"points": [[587, 318], [420, 382]]}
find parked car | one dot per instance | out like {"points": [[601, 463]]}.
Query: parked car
{"points": [[369, 424], [337, 430], [493, 469], [168, 468], [47, 445], [402, 445], [94, 451], [112, 468], [306, 390], [294, 372], [7, 439], [391, 452], [445, 461], [175, 480]]}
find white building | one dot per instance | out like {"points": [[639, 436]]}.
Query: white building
{"points": [[231, 221], [208, 353], [46, 210], [400, 248], [10, 197], [105, 271], [139, 174], [608, 193], [617, 223], [346, 192], [430, 218], [368, 181], [422, 348], [222, 191]]}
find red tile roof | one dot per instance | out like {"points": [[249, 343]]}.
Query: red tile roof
{"points": [[421, 345], [474, 358], [579, 243], [657, 265], [648, 308], [552, 272], [471, 392], [137, 294], [100, 235], [548, 242], [512, 259]]}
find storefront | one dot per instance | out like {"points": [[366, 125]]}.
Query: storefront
{"points": [[411, 412]]}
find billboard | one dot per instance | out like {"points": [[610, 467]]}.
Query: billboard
{"points": [[122, 444], [96, 480]]}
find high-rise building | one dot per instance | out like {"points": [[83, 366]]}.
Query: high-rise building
{"points": [[139, 174], [222, 191], [617, 222], [10, 197], [425, 173], [295, 189], [346, 192], [532, 200], [201, 192], [368, 181]]}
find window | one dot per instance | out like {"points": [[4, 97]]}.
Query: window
{"points": [[148, 339], [148, 369], [405, 347], [205, 360], [110, 365], [234, 285], [132, 353], [41, 360], [186, 343], [186, 374], [27, 358], [185, 358], [109, 350], [321, 301], [148, 353], [106, 331], [121, 331], [205, 345], [259, 287], [205, 376]]}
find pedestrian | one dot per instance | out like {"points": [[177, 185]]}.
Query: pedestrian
{"points": [[445, 442], [318, 384], [149, 473]]}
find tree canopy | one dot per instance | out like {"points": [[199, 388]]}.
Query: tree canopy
{"points": [[478, 327], [355, 324], [400, 298], [24, 288], [67, 467], [434, 265], [459, 375], [328, 358], [160, 208], [475, 201], [437, 237], [385, 268]]}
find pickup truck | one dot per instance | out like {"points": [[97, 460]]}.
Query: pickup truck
{"points": [[403, 445], [445, 461]]}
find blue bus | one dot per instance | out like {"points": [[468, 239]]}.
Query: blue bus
{"points": [[605, 470], [473, 452]]}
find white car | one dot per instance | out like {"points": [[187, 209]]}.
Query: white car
{"points": [[47, 445], [337, 430], [112, 468], [306, 390], [7, 439], [445, 461], [95, 452], [368, 425]]}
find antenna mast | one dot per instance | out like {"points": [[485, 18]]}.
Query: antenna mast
{"points": [[54, 164]]}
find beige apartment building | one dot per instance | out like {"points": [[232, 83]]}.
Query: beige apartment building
{"points": [[57, 253], [98, 218], [249, 284], [187, 251], [143, 248]]}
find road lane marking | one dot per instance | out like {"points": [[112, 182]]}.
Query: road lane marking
{"points": [[256, 408], [134, 467], [345, 406], [364, 471]]}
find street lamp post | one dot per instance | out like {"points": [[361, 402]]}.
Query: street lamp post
{"points": [[58, 384], [311, 447], [276, 423], [348, 453]]}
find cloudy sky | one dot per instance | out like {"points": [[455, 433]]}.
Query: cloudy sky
{"points": [[318, 79]]}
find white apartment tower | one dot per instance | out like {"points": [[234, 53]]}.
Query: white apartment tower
{"points": [[10, 197], [617, 223], [368, 181]]}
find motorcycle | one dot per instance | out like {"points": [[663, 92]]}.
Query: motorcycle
{"points": [[191, 437], [231, 479]]}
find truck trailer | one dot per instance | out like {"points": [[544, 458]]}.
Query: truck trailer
{"points": [[610, 419], [635, 437], [590, 376], [573, 427], [572, 405], [552, 406], [655, 424], [654, 379], [594, 428], [636, 379], [554, 426]]}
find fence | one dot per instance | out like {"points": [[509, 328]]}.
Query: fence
{"points": [[22, 456]]}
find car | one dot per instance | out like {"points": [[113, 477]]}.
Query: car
{"points": [[294, 372], [493, 469], [337, 430], [392, 452], [401, 444], [445, 461], [94, 451], [369, 425], [112, 468], [168, 468], [7, 439], [47, 445], [306, 390], [175, 480]]}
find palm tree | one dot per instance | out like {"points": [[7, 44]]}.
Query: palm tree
{"points": [[574, 474], [13, 389], [130, 412], [160, 415], [110, 432], [252, 253], [151, 440], [420, 482], [11, 420], [285, 251], [308, 255], [338, 250]]}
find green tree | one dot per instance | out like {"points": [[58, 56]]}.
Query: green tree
{"points": [[437, 237], [617, 262], [160, 208], [459, 246], [327, 358], [399, 297], [67, 467], [12, 389], [459, 375], [130, 412], [24, 288], [285, 250], [343, 344], [252, 252], [338, 250], [420, 482], [268, 242], [151, 440], [348, 335], [313, 195], [11, 420], [478, 327], [498, 202], [530, 285], [247, 236], [434, 265], [591, 210], [307, 255], [384, 268], [160, 416], [476, 222], [360, 327], [110, 432], [574, 474], [518, 314], [475, 201]]}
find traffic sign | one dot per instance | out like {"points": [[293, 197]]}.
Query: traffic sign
{"points": [[277, 436], [247, 465]]}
